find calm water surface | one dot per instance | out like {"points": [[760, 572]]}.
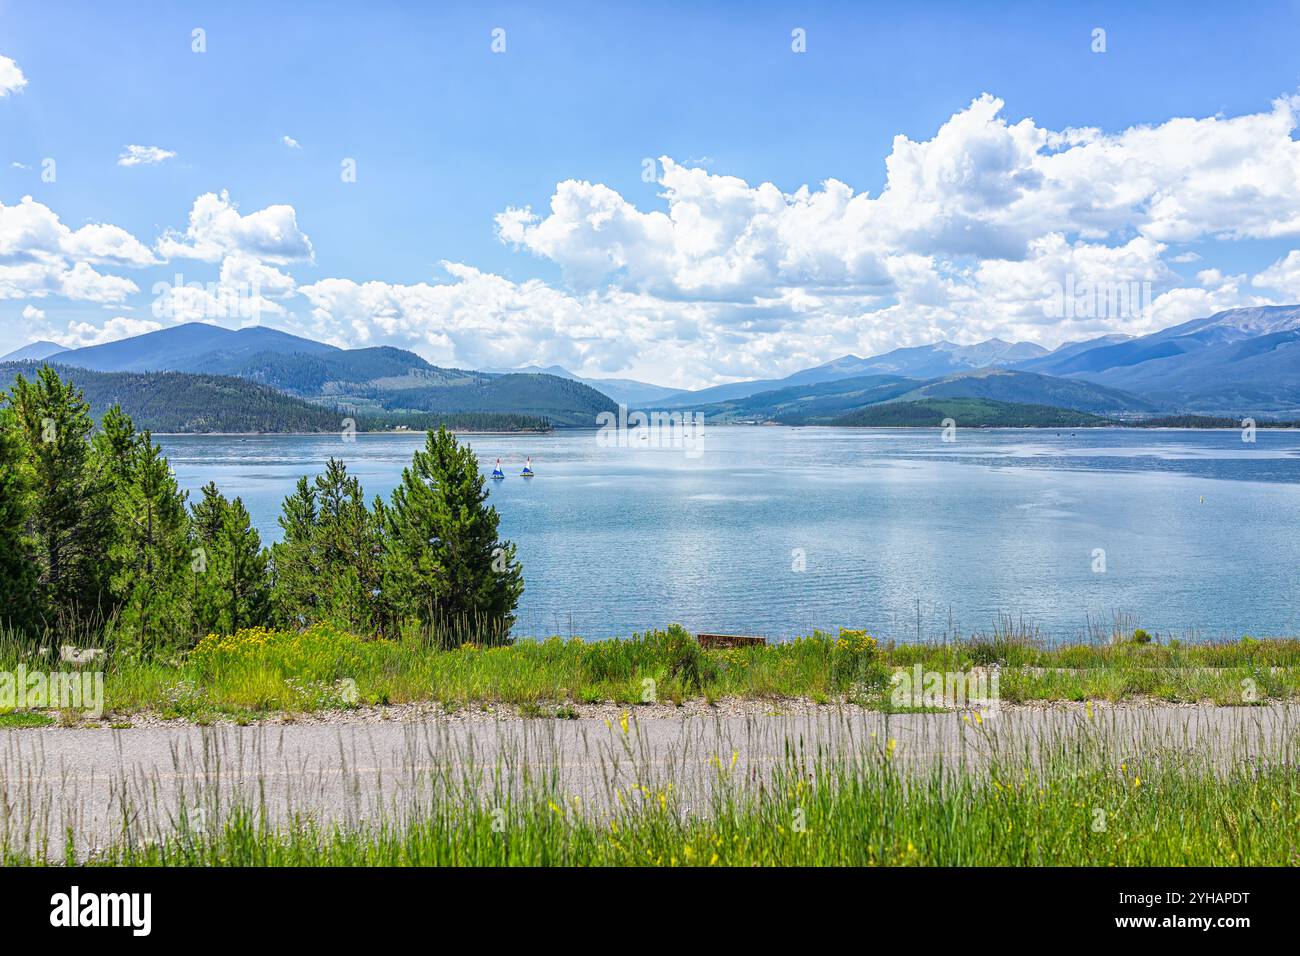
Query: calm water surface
{"points": [[897, 531]]}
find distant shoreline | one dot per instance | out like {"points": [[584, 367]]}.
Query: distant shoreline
{"points": [[412, 431], [865, 428]]}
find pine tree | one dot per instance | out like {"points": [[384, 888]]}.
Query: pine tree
{"points": [[444, 563], [112, 451], [69, 519], [152, 555], [113, 446], [18, 608], [243, 561], [229, 566], [295, 582], [208, 514], [327, 568], [349, 545]]}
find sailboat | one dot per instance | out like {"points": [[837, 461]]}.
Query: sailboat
{"points": [[497, 473], [528, 469]]}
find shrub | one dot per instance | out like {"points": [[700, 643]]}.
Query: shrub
{"points": [[685, 660], [855, 664], [858, 641], [320, 653]]}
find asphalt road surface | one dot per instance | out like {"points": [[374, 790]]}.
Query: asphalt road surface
{"points": [[104, 784]]}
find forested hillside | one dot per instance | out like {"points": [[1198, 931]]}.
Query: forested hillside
{"points": [[185, 402], [383, 385], [561, 401], [967, 413]]}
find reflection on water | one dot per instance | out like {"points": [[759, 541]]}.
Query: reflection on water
{"points": [[897, 531]]}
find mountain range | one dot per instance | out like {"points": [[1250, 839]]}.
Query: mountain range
{"points": [[380, 382], [1240, 362], [1236, 363], [917, 362], [825, 403]]}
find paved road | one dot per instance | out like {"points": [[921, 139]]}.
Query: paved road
{"points": [[98, 782]]}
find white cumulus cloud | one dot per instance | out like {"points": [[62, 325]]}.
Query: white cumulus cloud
{"points": [[41, 256], [1283, 275], [143, 155], [973, 231], [11, 77], [217, 229]]}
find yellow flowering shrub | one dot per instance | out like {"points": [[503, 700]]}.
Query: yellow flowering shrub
{"points": [[860, 642], [854, 663], [321, 652]]}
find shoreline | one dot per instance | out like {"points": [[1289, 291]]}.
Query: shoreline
{"points": [[862, 428], [411, 431]]}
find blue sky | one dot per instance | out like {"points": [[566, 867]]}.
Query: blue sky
{"points": [[448, 135]]}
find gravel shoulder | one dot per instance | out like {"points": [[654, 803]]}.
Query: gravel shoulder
{"points": [[728, 707]]}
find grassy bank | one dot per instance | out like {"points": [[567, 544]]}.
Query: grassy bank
{"points": [[258, 671]]}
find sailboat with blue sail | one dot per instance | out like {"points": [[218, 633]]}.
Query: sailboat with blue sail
{"points": [[528, 468], [497, 473]]}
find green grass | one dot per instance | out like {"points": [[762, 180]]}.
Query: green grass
{"points": [[22, 718], [259, 672]]}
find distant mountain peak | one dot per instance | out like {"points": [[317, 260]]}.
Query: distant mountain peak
{"points": [[188, 347], [1258, 320], [33, 352]]}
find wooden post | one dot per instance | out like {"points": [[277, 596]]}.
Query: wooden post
{"points": [[708, 641]]}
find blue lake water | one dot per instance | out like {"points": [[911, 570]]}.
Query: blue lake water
{"points": [[895, 530]]}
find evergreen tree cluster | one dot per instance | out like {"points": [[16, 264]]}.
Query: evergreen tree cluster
{"points": [[98, 540]]}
